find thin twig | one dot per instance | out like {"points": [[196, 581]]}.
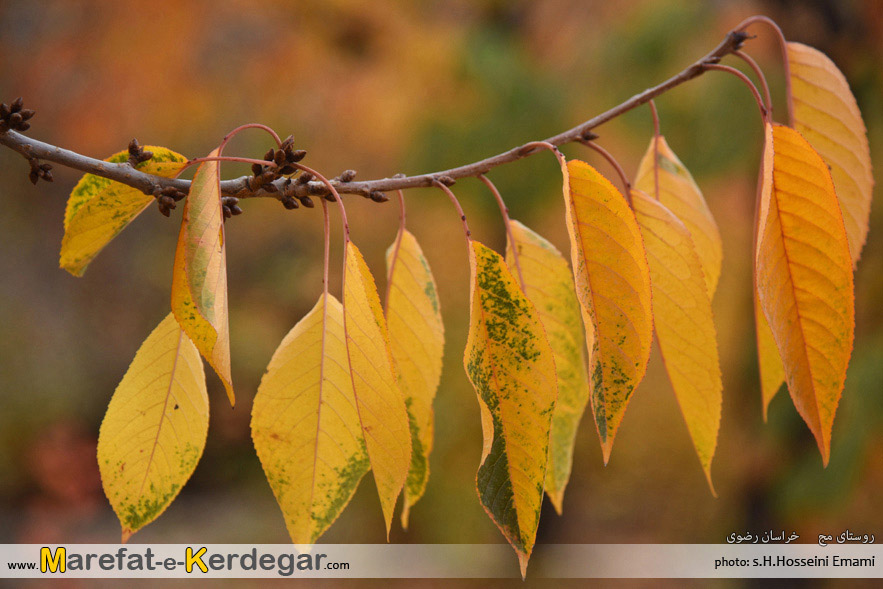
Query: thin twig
{"points": [[239, 187]]}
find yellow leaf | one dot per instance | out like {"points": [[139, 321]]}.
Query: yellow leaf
{"points": [[548, 283], [772, 373], [826, 113], [510, 364], [305, 425], [804, 280], [98, 208], [416, 341], [680, 194], [613, 287], [154, 431], [199, 281], [380, 404], [684, 323]]}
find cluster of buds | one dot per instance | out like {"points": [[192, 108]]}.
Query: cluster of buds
{"points": [[230, 207], [289, 200], [166, 198], [13, 116], [283, 158], [39, 171], [137, 154]]}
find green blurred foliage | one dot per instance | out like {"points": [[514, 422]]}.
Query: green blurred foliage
{"points": [[405, 87]]}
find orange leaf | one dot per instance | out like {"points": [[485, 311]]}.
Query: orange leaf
{"points": [[804, 279], [826, 113], [613, 288], [684, 322], [199, 281]]}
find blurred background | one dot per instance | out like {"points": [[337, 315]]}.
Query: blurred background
{"points": [[386, 87]]}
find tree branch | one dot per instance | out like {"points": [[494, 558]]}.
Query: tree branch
{"points": [[239, 187]]}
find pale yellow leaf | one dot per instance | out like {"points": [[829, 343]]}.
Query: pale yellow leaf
{"points": [[548, 283], [826, 114], [154, 431], [681, 195], [305, 425], [416, 341], [684, 323], [381, 407]]}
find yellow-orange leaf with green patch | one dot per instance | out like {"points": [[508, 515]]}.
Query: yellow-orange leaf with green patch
{"points": [[548, 283], [199, 281], [305, 425], [681, 195], [381, 407], [512, 368], [99, 208], [613, 287], [684, 323], [826, 113], [154, 431], [416, 341], [804, 280]]}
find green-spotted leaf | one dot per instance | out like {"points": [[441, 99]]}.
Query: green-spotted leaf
{"points": [[416, 341], [154, 431], [510, 364], [613, 287], [98, 208], [548, 283], [305, 425], [199, 280]]}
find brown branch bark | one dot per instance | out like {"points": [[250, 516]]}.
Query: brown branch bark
{"points": [[239, 187]]}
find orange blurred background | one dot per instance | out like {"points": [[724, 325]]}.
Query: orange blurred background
{"points": [[406, 87]]}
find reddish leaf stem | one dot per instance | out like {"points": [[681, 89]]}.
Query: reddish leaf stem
{"points": [[759, 73], [396, 246], [656, 135], [783, 46], [764, 115], [456, 202], [504, 210], [235, 131], [612, 161]]}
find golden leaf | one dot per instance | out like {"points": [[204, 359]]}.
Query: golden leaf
{"points": [[154, 431]]}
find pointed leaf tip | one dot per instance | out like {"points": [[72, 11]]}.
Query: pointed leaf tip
{"points": [[381, 406], [804, 279]]}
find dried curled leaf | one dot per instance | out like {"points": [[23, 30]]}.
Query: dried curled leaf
{"points": [[98, 209], [305, 425], [416, 341], [613, 287], [154, 431], [510, 364], [804, 279], [826, 114], [381, 407], [684, 323], [548, 283], [199, 281], [681, 195]]}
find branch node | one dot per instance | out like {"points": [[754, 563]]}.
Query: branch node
{"points": [[588, 135], [15, 117], [137, 153], [446, 180]]}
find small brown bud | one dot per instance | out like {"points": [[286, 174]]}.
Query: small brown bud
{"points": [[289, 203], [298, 155], [379, 197], [27, 113], [317, 188], [47, 176], [145, 156], [167, 201], [304, 178], [227, 212], [269, 155], [288, 142], [329, 197], [134, 146], [164, 210], [24, 127], [16, 106], [588, 135], [4, 110], [279, 157], [15, 120], [348, 176], [45, 167], [286, 170], [235, 210], [256, 169], [446, 180], [306, 201], [34, 176]]}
